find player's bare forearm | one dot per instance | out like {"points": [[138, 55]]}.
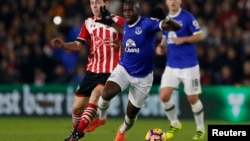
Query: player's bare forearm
{"points": [[163, 42], [171, 25], [72, 46], [194, 38]]}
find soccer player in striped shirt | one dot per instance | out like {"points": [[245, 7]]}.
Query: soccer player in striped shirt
{"points": [[135, 68], [103, 58], [182, 67]]}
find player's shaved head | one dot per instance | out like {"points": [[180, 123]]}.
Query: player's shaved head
{"points": [[131, 11], [135, 3]]}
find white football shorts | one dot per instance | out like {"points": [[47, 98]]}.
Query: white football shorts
{"points": [[139, 87], [190, 77]]}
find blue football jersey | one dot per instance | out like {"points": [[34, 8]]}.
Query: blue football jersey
{"points": [[184, 55], [138, 46]]}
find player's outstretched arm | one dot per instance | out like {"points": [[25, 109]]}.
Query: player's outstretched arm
{"points": [[189, 39], [107, 20], [170, 24], [167, 22], [71, 46]]}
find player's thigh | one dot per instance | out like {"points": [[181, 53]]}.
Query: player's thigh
{"points": [[96, 93], [100, 80], [139, 90], [91, 85], [191, 80], [87, 85], [169, 78], [165, 93], [120, 77]]}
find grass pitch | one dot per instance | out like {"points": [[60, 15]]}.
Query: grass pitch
{"points": [[57, 128]]}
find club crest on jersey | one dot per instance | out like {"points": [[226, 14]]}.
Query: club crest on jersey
{"points": [[138, 30]]}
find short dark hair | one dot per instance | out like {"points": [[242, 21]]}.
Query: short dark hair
{"points": [[134, 2], [104, 0]]}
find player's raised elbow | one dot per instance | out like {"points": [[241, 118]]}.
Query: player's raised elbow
{"points": [[171, 25], [174, 24]]}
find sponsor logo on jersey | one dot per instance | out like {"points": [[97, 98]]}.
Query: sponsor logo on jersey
{"points": [[131, 47], [99, 41], [171, 36]]}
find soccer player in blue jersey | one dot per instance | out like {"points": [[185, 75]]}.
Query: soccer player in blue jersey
{"points": [[182, 66], [135, 68]]}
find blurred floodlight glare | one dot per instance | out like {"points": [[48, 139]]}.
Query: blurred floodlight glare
{"points": [[57, 20]]}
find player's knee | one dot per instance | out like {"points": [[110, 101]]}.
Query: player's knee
{"points": [[109, 92], [164, 97], [77, 110], [192, 99], [165, 94]]}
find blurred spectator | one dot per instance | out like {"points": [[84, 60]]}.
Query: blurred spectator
{"points": [[225, 76], [59, 75], [206, 77], [115, 7], [26, 27], [8, 74], [229, 15], [39, 77], [246, 55], [25, 65], [246, 73], [79, 75], [145, 8]]}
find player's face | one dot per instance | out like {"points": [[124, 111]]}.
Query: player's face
{"points": [[95, 7], [173, 5], [130, 13]]}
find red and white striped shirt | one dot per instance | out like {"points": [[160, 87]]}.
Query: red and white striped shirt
{"points": [[102, 58]]}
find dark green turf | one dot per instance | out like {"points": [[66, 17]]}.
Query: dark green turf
{"points": [[56, 129]]}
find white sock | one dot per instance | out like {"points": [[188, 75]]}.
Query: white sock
{"points": [[197, 109], [170, 112], [102, 108], [127, 124]]}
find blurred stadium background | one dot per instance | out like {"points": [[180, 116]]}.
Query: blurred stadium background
{"points": [[26, 28], [39, 80]]}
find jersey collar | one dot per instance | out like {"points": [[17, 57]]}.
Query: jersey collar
{"points": [[132, 25], [176, 14]]}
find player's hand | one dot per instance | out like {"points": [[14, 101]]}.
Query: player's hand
{"points": [[158, 13], [106, 17], [160, 50], [178, 40], [57, 42]]}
